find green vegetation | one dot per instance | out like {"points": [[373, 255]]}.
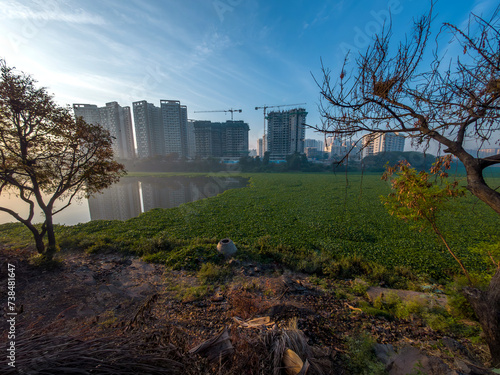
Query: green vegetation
{"points": [[361, 356], [447, 320], [419, 197], [309, 222], [211, 273]]}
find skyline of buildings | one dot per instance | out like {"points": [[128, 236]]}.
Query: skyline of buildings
{"points": [[164, 130]]}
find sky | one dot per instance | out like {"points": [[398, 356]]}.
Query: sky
{"points": [[209, 54]]}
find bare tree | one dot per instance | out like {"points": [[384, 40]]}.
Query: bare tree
{"points": [[46, 155], [397, 93], [449, 103]]}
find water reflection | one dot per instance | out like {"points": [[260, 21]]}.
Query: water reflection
{"points": [[132, 196]]}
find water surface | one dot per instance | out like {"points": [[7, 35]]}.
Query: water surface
{"points": [[129, 198]]}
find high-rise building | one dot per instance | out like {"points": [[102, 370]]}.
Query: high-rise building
{"points": [[114, 118], [174, 120], [376, 143], [191, 140], [208, 139], [215, 139], [234, 139], [286, 132], [148, 130], [260, 148], [162, 130]]}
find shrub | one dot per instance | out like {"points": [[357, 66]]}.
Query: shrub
{"points": [[388, 302], [361, 356], [359, 287]]}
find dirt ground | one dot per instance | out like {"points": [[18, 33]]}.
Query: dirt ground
{"points": [[95, 295]]}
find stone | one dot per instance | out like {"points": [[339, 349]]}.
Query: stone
{"points": [[411, 360], [456, 347], [470, 369], [385, 353]]}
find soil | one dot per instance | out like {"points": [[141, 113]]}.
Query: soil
{"points": [[98, 295]]}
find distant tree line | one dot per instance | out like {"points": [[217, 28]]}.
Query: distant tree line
{"points": [[294, 163]]}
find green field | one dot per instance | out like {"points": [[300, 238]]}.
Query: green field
{"points": [[302, 220]]}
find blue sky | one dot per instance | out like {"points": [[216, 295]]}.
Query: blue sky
{"points": [[210, 55]]}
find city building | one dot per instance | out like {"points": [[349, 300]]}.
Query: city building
{"points": [[285, 132], [313, 149], [337, 148], [114, 118], [261, 146], [208, 139], [174, 121], [313, 144], [234, 139], [162, 130], [226, 140], [191, 139], [376, 143], [148, 130]]}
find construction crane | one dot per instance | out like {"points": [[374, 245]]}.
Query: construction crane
{"points": [[265, 107], [223, 110]]}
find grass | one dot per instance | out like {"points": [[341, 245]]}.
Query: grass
{"points": [[308, 222]]}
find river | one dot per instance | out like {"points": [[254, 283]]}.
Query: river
{"points": [[129, 198]]}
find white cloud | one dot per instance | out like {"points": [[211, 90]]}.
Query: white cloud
{"points": [[46, 11]]}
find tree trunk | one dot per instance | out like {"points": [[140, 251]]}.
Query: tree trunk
{"points": [[486, 305], [51, 237], [477, 185], [40, 246]]}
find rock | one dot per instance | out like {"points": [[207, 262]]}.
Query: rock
{"points": [[470, 369], [411, 360], [385, 353], [456, 347]]}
